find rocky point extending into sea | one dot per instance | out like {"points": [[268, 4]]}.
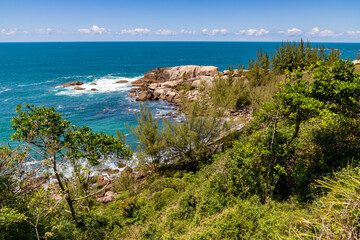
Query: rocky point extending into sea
{"points": [[169, 84]]}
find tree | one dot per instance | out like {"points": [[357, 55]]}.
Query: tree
{"points": [[334, 92], [57, 144], [148, 133], [190, 141]]}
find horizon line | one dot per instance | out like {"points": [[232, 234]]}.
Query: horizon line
{"points": [[149, 41]]}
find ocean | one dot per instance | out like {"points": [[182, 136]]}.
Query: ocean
{"points": [[31, 73]]}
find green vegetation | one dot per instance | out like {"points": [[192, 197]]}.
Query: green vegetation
{"points": [[184, 87], [292, 172]]}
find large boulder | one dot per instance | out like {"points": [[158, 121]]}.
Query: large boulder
{"points": [[69, 84], [178, 73], [145, 96], [132, 93], [108, 197], [170, 96], [153, 86], [356, 61]]}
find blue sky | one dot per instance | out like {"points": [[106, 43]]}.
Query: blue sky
{"points": [[173, 20]]}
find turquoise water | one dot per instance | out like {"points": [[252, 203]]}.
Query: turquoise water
{"points": [[31, 72]]}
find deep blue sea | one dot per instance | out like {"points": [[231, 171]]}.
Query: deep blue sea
{"points": [[31, 73]]}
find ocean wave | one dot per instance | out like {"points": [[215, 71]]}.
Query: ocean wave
{"points": [[102, 85], [35, 84], [4, 90]]}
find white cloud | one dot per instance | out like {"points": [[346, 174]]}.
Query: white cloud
{"points": [[93, 30], [188, 32], [166, 32], [353, 32], [46, 31], [253, 32], [314, 31], [9, 32], [324, 33], [294, 31], [327, 33], [214, 32], [136, 31]]}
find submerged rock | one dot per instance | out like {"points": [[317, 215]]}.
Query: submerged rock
{"points": [[122, 81]]}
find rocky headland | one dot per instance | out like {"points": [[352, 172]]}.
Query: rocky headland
{"points": [[171, 84]]}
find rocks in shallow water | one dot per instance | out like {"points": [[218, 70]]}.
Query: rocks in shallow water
{"points": [[122, 81], [69, 84], [94, 89], [79, 88], [170, 96], [145, 96], [132, 93]]}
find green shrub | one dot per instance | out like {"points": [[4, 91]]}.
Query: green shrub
{"points": [[184, 87]]}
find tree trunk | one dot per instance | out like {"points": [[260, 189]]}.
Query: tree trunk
{"points": [[65, 191]]}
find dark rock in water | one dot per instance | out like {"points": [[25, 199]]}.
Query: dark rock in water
{"points": [[94, 89], [93, 84], [79, 88], [122, 81], [169, 114], [69, 84]]}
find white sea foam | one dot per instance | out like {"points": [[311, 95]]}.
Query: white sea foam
{"points": [[5, 90], [102, 85]]}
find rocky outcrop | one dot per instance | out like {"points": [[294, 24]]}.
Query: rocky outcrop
{"points": [[145, 96], [356, 62], [178, 73], [161, 83], [69, 84]]}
